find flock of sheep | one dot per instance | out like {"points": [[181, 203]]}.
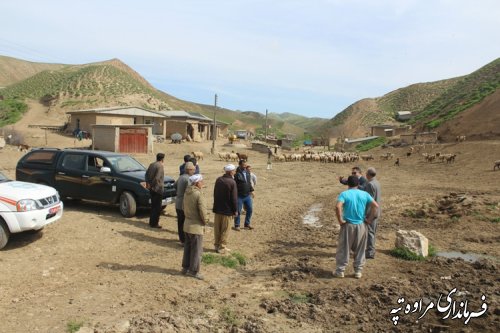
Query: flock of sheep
{"points": [[344, 157]]}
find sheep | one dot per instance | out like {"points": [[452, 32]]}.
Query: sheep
{"points": [[367, 157], [450, 158], [496, 165], [198, 155], [460, 138], [224, 156], [233, 157]]}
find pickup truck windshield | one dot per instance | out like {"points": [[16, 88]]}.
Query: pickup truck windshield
{"points": [[125, 164]]}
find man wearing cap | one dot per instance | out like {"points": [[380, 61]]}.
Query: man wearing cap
{"points": [[154, 182], [373, 188], [351, 209], [225, 207], [194, 226], [245, 189], [180, 185]]}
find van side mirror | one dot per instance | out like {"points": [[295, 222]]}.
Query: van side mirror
{"points": [[106, 169]]}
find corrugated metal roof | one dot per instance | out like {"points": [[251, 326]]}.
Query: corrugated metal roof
{"points": [[404, 113], [127, 111], [361, 139]]}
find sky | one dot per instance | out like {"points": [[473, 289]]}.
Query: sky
{"points": [[309, 57]]}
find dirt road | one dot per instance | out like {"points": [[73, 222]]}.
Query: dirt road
{"points": [[97, 269]]}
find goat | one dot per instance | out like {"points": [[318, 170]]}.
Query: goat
{"points": [[23, 147], [496, 165], [242, 156]]}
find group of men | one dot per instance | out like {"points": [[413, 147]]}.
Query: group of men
{"points": [[358, 211], [233, 191]]}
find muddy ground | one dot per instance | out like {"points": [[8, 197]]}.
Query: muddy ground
{"points": [[96, 269]]}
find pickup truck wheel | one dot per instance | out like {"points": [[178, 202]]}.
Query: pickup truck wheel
{"points": [[127, 204], [4, 234]]}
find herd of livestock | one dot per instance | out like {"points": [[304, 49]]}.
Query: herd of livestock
{"points": [[348, 157]]}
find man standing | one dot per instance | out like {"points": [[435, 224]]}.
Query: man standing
{"points": [[269, 155], [180, 185], [154, 182], [373, 188], [351, 207], [245, 189], [194, 208], [225, 207], [182, 167], [355, 171]]}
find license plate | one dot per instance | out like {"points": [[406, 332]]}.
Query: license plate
{"points": [[54, 210]]}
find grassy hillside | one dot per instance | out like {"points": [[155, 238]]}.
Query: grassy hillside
{"points": [[432, 103], [113, 83], [414, 98], [11, 111], [13, 70], [465, 93]]}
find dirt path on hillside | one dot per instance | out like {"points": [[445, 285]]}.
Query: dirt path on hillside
{"points": [[117, 275]]}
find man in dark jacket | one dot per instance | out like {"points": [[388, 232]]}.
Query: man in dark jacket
{"points": [[154, 182], [225, 207], [244, 184], [356, 171]]}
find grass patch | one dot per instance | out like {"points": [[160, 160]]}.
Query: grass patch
{"points": [[365, 146], [412, 256], [495, 219], [233, 260], [11, 111], [432, 251], [73, 326], [300, 298], [229, 316]]}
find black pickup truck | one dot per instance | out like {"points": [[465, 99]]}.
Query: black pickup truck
{"points": [[92, 175]]}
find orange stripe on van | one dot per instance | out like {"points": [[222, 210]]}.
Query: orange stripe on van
{"points": [[9, 201]]}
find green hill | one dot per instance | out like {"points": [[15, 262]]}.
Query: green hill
{"points": [[431, 103], [467, 91], [111, 83]]}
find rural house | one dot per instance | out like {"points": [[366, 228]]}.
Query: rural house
{"points": [[389, 130], [84, 119], [192, 125]]}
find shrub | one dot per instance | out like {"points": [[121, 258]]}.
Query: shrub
{"points": [[11, 111]]}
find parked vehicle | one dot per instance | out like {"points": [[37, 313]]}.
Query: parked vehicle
{"points": [[92, 175], [26, 206]]}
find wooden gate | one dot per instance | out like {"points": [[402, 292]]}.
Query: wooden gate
{"points": [[133, 140]]}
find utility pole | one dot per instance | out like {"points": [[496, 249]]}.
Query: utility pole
{"points": [[265, 137], [214, 128]]}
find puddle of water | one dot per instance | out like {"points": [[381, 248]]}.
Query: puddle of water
{"points": [[470, 257], [311, 218]]}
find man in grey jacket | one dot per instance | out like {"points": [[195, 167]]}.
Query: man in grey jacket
{"points": [[180, 185], [373, 188]]}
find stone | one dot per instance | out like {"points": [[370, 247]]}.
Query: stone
{"points": [[414, 241]]}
